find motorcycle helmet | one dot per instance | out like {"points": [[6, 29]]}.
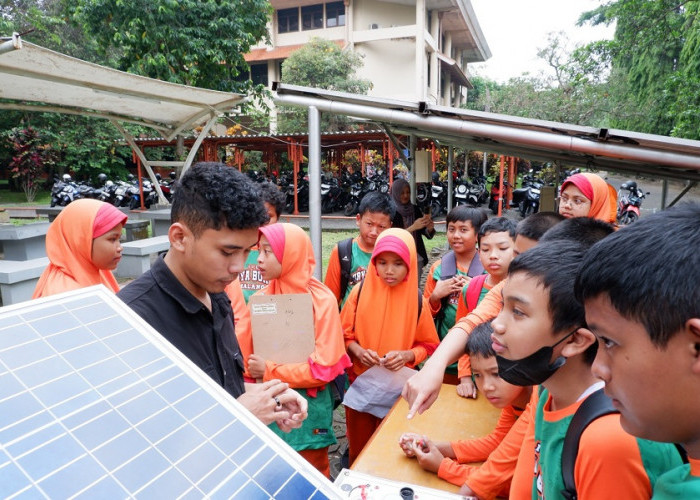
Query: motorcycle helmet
{"points": [[158, 177], [108, 183], [102, 178], [130, 177], [173, 175], [436, 177], [629, 185], [66, 178]]}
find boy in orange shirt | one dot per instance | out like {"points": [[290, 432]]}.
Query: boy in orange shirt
{"points": [[642, 300], [540, 338], [375, 214], [449, 460]]}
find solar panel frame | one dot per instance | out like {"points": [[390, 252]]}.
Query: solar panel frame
{"points": [[95, 402]]}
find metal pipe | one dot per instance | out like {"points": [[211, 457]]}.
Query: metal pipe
{"points": [[412, 178], [450, 167], [498, 132], [15, 43], [315, 186]]}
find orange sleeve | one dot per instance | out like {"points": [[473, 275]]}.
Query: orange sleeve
{"points": [[454, 472], [241, 319], [427, 339], [479, 449], [430, 286], [332, 279], [347, 316], [487, 309], [609, 463], [495, 474]]}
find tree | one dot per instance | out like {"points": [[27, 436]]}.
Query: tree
{"points": [[30, 157], [199, 43], [321, 64]]}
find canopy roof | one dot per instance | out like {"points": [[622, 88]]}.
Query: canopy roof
{"points": [[574, 145], [39, 79]]}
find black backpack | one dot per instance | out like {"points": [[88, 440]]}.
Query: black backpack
{"points": [[345, 259]]}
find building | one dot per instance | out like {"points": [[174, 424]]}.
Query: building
{"points": [[414, 50]]}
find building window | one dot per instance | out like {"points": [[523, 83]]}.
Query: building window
{"points": [[288, 20], [312, 17], [335, 14], [258, 73]]}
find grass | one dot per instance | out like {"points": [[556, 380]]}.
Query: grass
{"points": [[18, 198], [331, 238]]}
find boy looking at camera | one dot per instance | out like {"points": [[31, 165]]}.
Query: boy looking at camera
{"points": [[642, 300]]}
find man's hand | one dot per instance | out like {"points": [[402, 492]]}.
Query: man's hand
{"points": [[274, 401], [466, 388], [256, 366], [422, 389]]}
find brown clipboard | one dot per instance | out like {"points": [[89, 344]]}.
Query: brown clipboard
{"points": [[283, 327]]}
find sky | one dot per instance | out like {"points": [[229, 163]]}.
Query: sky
{"points": [[516, 29]]}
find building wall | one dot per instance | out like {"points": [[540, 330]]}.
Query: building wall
{"points": [[390, 65], [385, 14]]}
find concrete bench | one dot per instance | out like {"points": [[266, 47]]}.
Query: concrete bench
{"points": [[24, 242], [18, 279], [52, 212], [136, 255], [136, 229], [160, 220]]}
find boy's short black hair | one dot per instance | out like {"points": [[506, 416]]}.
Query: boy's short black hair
{"points": [[213, 195], [462, 213], [649, 271], [496, 225], [585, 230], [535, 225], [271, 194], [479, 342], [555, 265], [377, 202]]}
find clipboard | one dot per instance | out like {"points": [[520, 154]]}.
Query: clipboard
{"points": [[282, 327]]}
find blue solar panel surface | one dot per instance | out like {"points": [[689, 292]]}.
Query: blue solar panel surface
{"points": [[93, 403]]}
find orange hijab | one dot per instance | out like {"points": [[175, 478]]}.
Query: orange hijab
{"points": [[293, 249], [602, 195], [386, 317], [69, 248]]}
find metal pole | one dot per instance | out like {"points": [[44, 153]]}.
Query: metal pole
{"points": [[412, 146], [664, 193], [14, 43], [315, 186], [450, 164]]}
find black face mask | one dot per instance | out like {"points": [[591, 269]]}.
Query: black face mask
{"points": [[533, 369]]}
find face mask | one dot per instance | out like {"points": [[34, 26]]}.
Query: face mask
{"points": [[533, 369]]}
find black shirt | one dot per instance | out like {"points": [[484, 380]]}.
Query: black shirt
{"points": [[206, 338]]}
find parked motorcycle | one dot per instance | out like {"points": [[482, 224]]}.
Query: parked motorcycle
{"points": [[527, 198], [438, 197], [149, 195], [629, 203], [498, 197], [358, 189], [302, 192]]}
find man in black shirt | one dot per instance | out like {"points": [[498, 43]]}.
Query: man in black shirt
{"points": [[215, 216]]}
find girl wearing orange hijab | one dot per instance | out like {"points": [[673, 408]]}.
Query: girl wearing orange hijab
{"points": [[383, 326], [588, 195], [287, 260], [83, 247]]}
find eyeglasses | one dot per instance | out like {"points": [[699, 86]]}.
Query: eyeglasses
{"points": [[575, 201]]}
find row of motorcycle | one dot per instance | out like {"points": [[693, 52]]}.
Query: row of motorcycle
{"points": [[119, 193]]}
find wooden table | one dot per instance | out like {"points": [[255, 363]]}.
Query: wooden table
{"points": [[449, 419]]}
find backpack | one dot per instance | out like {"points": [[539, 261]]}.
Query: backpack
{"points": [[448, 268], [595, 406], [345, 259], [471, 297]]}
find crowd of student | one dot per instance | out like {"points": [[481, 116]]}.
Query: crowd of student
{"points": [[540, 318]]}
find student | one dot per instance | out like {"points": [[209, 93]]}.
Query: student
{"points": [[385, 322], [588, 195], [642, 300], [422, 389], [182, 295], [450, 459], [250, 279], [410, 217], [448, 275], [496, 251], [376, 212], [287, 260], [83, 247], [540, 338]]}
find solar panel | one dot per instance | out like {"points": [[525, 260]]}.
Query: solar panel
{"points": [[94, 403]]}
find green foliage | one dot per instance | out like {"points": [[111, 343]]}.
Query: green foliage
{"points": [[199, 43], [321, 64], [30, 157]]}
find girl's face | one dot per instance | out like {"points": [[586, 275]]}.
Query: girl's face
{"points": [[270, 267], [107, 249], [271, 212], [405, 195], [391, 268], [573, 203]]}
